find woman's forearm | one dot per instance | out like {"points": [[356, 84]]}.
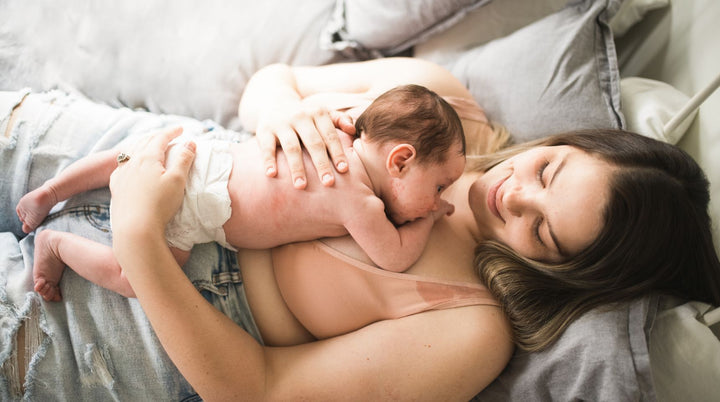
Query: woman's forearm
{"points": [[278, 85], [271, 86], [210, 350], [206, 346]]}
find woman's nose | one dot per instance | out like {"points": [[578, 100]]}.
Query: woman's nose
{"points": [[517, 200]]}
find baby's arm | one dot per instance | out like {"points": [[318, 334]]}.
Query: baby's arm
{"points": [[90, 172], [390, 247]]}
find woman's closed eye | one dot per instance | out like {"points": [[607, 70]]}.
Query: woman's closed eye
{"points": [[541, 171], [539, 220], [536, 231]]}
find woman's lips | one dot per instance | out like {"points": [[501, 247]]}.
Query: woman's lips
{"points": [[492, 198]]}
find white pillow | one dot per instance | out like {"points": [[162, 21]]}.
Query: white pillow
{"points": [[375, 28], [167, 56], [632, 11], [684, 347], [649, 104]]}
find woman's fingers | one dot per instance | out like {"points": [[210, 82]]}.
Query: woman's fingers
{"points": [[155, 145], [148, 188], [313, 129], [160, 141], [267, 141], [179, 164], [314, 136], [343, 122], [293, 153]]}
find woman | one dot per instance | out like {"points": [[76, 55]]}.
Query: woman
{"points": [[551, 204]]}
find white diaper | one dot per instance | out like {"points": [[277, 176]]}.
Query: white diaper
{"points": [[206, 206]]}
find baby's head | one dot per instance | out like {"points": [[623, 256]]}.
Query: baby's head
{"points": [[424, 143]]}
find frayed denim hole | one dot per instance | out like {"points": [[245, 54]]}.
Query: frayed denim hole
{"points": [[10, 378], [96, 368], [9, 121], [9, 141], [29, 345]]}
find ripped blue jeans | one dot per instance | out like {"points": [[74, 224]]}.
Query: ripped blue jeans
{"points": [[95, 344]]}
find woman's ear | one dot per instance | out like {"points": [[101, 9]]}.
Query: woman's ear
{"points": [[399, 159]]}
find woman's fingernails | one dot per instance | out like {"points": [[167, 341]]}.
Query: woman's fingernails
{"points": [[342, 166], [299, 182], [270, 171], [327, 178]]}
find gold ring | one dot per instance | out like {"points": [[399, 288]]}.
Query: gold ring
{"points": [[122, 157]]}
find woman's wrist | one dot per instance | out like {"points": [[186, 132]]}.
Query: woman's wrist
{"points": [[267, 88], [130, 238]]}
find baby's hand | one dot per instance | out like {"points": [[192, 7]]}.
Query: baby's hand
{"points": [[444, 209]]}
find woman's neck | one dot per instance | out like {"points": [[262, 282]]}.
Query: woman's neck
{"points": [[463, 218]]}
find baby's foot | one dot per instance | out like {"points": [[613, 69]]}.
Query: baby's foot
{"points": [[35, 206], [48, 267]]}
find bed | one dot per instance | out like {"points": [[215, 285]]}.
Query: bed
{"points": [[537, 67]]}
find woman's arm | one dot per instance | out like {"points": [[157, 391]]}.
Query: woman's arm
{"points": [[439, 355], [280, 85], [272, 106]]}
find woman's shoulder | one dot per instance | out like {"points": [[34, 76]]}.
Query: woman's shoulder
{"points": [[484, 335], [472, 345]]}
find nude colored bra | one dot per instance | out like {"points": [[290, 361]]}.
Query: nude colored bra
{"points": [[332, 294]]}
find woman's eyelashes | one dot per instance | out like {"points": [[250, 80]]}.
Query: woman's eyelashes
{"points": [[538, 222], [541, 171], [536, 231]]}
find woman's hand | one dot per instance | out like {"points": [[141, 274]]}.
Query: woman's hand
{"points": [[312, 127], [148, 188], [272, 106]]}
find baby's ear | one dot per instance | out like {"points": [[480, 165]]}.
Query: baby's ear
{"points": [[399, 159]]}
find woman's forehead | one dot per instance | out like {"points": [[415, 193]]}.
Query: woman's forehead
{"points": [[579, 195]]}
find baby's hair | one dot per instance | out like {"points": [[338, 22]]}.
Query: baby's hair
{"points": [[414, 115]]}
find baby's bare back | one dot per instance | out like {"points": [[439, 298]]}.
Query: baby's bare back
{"points": [[267, 212]]}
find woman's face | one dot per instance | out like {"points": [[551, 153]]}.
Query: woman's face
{"points": [[545, 203]]}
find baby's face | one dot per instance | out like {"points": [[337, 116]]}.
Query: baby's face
{"points": [[419, 191]]}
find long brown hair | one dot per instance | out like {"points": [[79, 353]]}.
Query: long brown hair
{"points": [[656, 237]]}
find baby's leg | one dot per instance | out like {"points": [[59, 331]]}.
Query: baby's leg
{"points": [[93, 261], [181, 256], [90, 172]]}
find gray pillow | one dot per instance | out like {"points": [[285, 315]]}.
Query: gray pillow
{"points": [[602, 356], [170, 56], [374, 28], [556, 74]]}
